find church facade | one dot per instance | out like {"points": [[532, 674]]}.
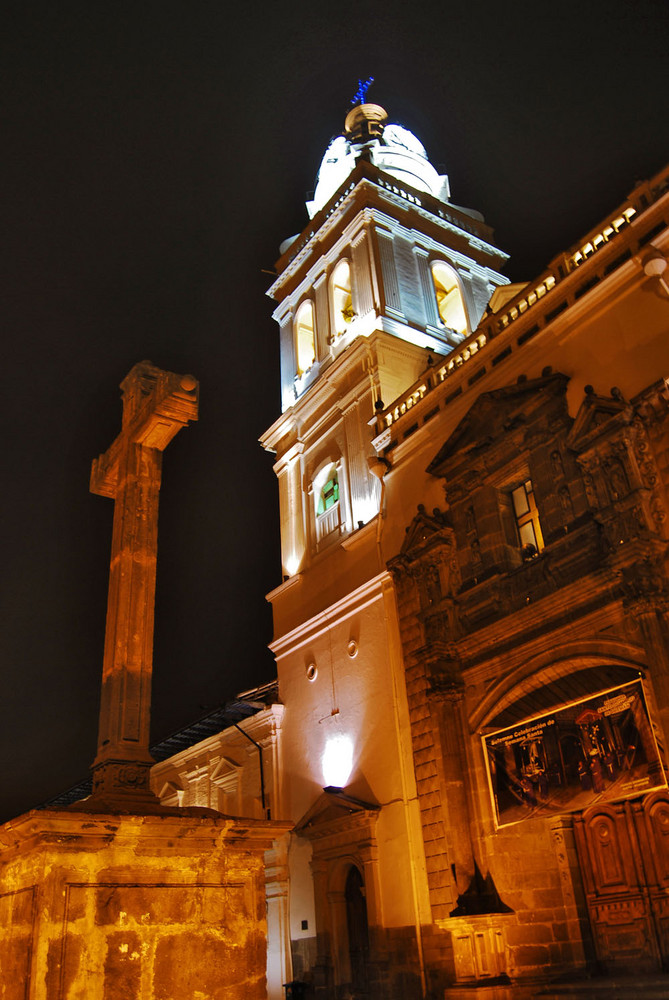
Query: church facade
{"points": [[471, 632]]}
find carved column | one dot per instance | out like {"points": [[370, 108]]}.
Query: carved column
{"points": [[576, 932]]}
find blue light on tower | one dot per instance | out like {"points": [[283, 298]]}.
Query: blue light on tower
{"points": [[361, 93]]}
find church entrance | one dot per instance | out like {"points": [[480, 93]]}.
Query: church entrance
{"points": [[358, 932], [623, 851]]}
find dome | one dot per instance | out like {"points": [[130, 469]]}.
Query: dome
{"points": [[390, 147]]}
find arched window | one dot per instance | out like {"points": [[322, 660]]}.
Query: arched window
{"points": [[326, 501], [305, 340], [449, 297], [342, 303]]}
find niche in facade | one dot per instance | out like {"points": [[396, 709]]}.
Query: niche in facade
{"points": [[448, 293]]}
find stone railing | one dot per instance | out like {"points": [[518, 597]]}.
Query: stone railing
{"points": [[560, 268]]}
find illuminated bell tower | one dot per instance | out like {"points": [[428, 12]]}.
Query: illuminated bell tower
{"points": [[387, 275]]}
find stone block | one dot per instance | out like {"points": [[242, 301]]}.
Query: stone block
{"points": [[560, 930], [529, 934], [114, 919], [537, 916], [531, 957], [122, 965], [16, 919], [548, 898]]}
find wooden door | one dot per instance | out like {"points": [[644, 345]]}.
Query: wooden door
{"points": [[623, 851]]}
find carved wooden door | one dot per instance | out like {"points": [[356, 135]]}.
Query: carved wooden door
{"points": [[624, 856]]}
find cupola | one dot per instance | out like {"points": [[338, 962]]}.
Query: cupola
{"points": [[389, 146]]}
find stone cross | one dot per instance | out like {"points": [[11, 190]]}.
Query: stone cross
{"points": [[156, 405]]}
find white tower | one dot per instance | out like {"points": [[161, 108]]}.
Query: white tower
{"points": [[387, 272], [387, 276]]}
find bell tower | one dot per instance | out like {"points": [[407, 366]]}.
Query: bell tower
{"points": [[388, 275], [387, 278]]}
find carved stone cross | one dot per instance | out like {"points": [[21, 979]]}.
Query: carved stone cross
{"points": [[156, 405]]}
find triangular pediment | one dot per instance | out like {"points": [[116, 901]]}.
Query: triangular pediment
{"points": [[423, 529], [597, 415], [332, 810], [497, 413]]}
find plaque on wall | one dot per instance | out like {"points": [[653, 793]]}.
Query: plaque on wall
{"points": [[600, 748]]}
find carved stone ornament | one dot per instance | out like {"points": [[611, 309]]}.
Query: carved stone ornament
{"points": [[117, 777], [423, 529], [644, 586]]}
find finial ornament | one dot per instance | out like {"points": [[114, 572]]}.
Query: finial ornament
{"points": [[361, 93]]}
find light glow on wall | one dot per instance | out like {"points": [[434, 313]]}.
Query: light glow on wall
{"points": [[337, 760], [366, 508], [291, 564]]}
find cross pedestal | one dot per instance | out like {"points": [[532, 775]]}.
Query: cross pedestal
{"points": [[156, 405]]}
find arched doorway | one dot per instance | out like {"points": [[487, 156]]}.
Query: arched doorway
{"points": [[358, 930]]}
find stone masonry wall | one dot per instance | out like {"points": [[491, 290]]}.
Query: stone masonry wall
{"points": [[126, 907]]}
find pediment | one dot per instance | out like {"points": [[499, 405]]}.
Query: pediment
{"points": [[597, 415], [335, 810], [424, 528], [498, 413]]}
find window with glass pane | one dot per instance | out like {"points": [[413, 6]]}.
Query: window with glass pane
{"points": [[527, 519]]}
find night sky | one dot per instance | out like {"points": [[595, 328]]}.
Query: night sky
{"points": [[154, 156]]}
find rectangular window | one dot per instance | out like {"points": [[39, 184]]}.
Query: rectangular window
{"points": [[527, 519]]}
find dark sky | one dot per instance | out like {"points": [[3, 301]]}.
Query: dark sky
{"points": [[154, 155]]}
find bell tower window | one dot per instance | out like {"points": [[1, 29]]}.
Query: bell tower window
{"points": [[305, 339], [342, 303], [450, 303], [327, 506], [329, 495]]}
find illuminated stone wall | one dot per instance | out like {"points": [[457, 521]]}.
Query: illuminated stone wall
{"points": [[125, 907], [560, 384]]}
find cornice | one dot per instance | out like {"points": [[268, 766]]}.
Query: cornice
{"points": [[361, 597], [474, 364], [367, 180]]}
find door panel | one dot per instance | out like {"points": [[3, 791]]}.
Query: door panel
{"points": [[623, 851]]}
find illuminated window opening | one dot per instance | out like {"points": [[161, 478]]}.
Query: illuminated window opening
{"points": [[342, 302], [326, 503], [450, 303], [305, 339], [527, 520], [329, 495]]}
